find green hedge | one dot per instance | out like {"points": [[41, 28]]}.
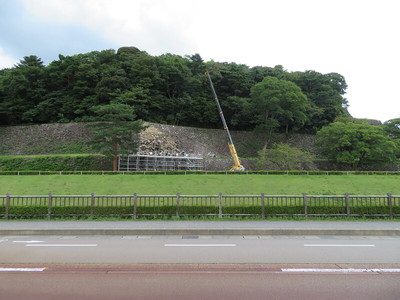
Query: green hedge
{"points": [[54, 163], [26, 212], [92, 161]]}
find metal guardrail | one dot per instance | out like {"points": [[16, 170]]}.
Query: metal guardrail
{"points": [[134, 206]]}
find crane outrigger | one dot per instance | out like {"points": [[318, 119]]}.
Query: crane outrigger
{"points": [[237, 166]]}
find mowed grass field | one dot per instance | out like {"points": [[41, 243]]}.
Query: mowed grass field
{"points": [[199, 184]]}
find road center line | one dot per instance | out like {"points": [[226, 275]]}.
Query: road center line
{"points": [[61, 245], [22, 269], [28, 242], [336, 245], [341, 270], [200, 245]]}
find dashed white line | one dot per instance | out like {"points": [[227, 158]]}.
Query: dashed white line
{"points": [[336, 245], [341, 270], [61, 245], [28, 242], [200, 245], [22, 269]]}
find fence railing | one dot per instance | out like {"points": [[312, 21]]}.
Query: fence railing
{"points": [[135, 206]]}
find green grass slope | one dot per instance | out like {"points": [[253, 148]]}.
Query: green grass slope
{"points": [[199, 184]]}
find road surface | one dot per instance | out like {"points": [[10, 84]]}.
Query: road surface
{"points": [[199, 249], [199, 267], [194, 282]]}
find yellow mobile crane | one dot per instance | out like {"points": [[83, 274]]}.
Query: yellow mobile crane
{"points": [[237, 166]]}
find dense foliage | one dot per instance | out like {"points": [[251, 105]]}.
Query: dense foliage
{"points": [[113, 133], [54, 163], [167, 89], [284, 157], [392, 128], [357, 145]]}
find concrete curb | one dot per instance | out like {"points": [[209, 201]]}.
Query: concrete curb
{"points": [[202, 231]]}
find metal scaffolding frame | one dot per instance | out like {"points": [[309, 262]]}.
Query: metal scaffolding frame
{"points": [[136, 162]]}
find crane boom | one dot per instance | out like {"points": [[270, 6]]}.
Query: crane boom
{"points": [[237, 166]]}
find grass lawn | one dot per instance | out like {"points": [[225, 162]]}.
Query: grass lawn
{"points": [[199, 184]]}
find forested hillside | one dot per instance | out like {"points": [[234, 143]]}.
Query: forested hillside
{"points": [[114, 90], [169, 89]]}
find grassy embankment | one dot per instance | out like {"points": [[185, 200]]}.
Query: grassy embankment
{"points": [[199, 184]]}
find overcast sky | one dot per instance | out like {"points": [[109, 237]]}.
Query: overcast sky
{"points": [[358, 39]]}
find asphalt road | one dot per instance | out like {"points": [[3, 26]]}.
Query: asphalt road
{"points": [[199, 249], [194, 282], [199, 267]]}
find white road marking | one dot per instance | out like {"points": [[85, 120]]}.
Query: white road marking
{"points": [[342, 270], [28, 242], [200, 245], [22, 269], [3, 240], [336, 245], [61, 245]]}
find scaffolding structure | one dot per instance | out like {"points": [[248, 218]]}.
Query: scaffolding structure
{"points": [[136, 162]]}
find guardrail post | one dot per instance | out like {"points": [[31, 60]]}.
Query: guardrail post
{"points": [[347, 197], [220, 205], [8, 201], [50, 206], [263, 205], [389, 195], [92, 205], [134, 206], [305, 201], [177, 203]]}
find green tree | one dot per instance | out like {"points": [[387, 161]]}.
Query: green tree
{"points": [[196, 64], [165, 89], [258, 73], [284, 157], [21, 89], [115, 130], [325, 91], [238, 112], [174, 84], [232, 83], [230, 79], [139, 98], [392, 127], [356, 145], [82, 81], [30, 61], [278, 104]]}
